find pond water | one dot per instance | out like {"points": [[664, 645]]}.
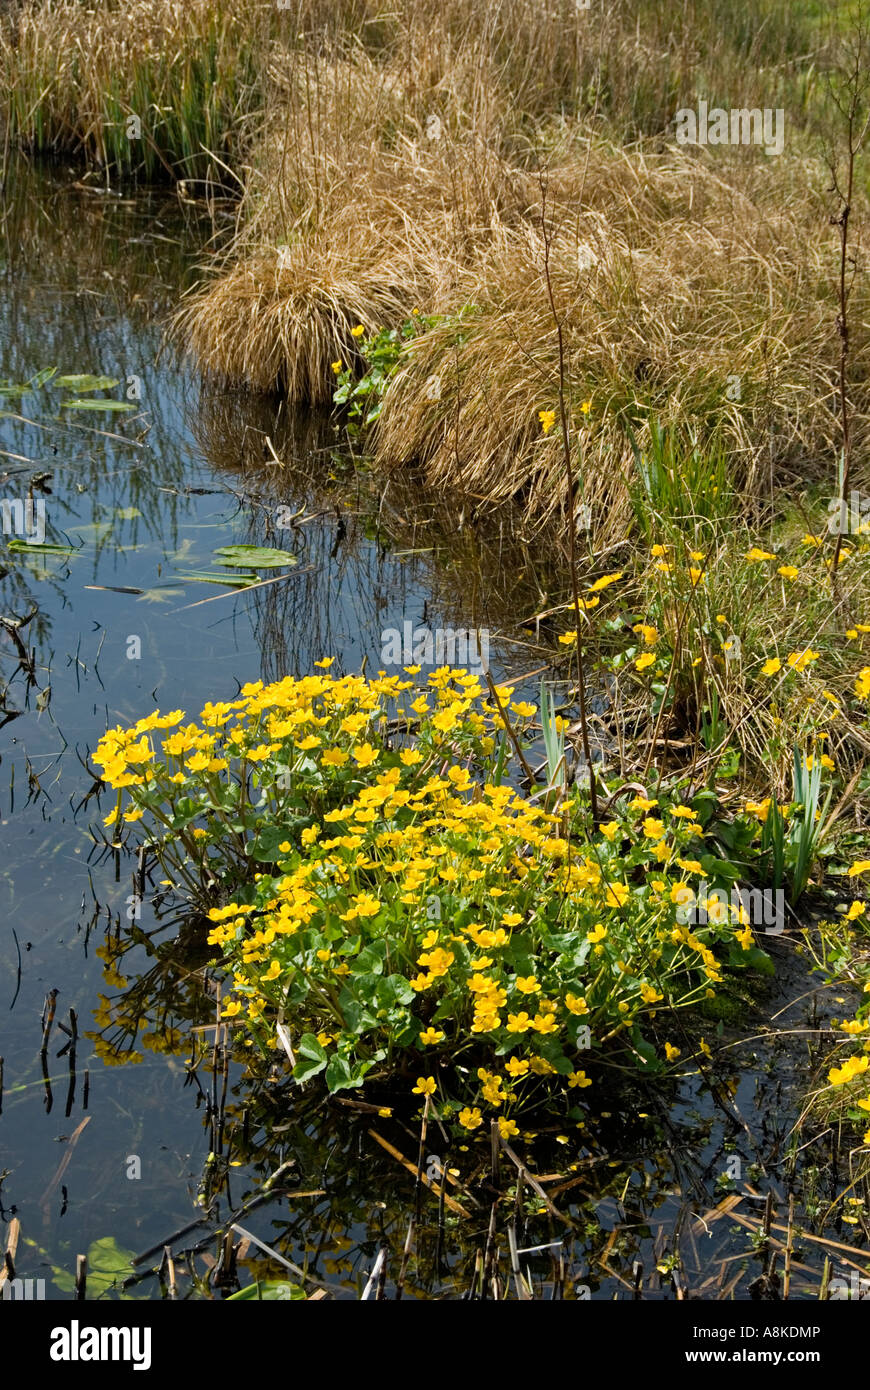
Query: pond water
{"points": [[124, 1140]]}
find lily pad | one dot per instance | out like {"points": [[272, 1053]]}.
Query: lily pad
{"points": [[258, 557]]}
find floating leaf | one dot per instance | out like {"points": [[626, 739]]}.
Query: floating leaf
{"points": [[267, 1290], [25, 547], [258, 557], [86, 382], [108, 1264], [11, 388], [97, 405], [235, 581]]}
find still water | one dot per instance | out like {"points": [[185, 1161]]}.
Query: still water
{"points": [[144, 1126]]}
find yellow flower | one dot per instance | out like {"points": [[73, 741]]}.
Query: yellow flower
{"points": [[854, 1066], [425, 1086], [430, 1036], [649, 634], [755, 554], [507, 1128], [671, 1052], [232, 1008], [856, 910], [801, 660], [788, 571], [336, 367], [576, 1005], [568, 639], [358, 331], [365, 755], [861, 866], [647, 659], [516, 1067], [653, 829], [862, 683], [579, 1079], [470, 1117], [547, 419], [598, 933], [527, 984], [604, 581]]}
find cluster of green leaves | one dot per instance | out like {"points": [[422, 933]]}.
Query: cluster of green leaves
{"points": [[380, 354]]}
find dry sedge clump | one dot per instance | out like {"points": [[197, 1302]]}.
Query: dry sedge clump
{"points": [[429, 168]]}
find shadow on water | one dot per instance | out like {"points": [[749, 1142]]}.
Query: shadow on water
{"points": [[144, 1124]]}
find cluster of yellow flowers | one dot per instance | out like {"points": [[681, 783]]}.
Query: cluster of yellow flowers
{"points": [[405, 899]]}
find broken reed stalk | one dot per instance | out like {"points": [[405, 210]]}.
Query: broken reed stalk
{"points": [[81, 1278], [170, 1269], [493, 690], [48, 1018], [572, 537], [406, 1255]]}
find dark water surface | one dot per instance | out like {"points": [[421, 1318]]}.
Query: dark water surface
{"points": [[144, 497]]}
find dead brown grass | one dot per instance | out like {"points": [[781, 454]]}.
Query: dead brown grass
{"points": [[404, 165]]}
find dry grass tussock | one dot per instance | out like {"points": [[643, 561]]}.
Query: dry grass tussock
{"points": [[674, 276]]}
